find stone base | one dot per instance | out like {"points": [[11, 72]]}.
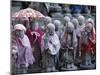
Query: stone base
{"points": [[70, 68], [87, 66]]}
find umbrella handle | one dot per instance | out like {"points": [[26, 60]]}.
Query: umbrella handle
{"points": [[46, 53], [46, 30], [28, 24]]}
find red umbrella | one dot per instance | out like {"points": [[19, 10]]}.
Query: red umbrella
{"points": [[27, 14]]}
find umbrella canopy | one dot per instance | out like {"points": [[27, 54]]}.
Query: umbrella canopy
{"points": [[27, 14]]}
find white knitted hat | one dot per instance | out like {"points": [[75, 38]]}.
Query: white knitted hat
{"points": [[19, 27]]}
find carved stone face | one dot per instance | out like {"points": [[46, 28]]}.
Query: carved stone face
{"points": [[88, 27], [75, 22], [50, 31], [69, 30], [35, 25], [81, 20], [20, 33], [57, 24], [51, 28], [70, 27]]}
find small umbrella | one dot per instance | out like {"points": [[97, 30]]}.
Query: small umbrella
{"points": [[27, 14]]}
